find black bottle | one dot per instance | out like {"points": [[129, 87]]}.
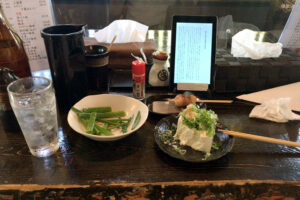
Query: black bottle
{"points": [[8, 119]]}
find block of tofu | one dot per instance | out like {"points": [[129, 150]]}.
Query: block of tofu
{"points": [[196, 139]]}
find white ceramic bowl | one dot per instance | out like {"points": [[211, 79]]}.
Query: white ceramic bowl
{"points": [[130, 105]]}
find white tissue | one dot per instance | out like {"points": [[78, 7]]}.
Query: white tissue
{"points": [[245, 45], [276, 110], [125, 30]]}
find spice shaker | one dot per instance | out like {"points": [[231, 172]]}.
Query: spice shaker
{"points": [[138, 78]]}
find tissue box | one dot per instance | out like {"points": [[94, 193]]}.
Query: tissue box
{"points": [[120, 53], [247, 75]]}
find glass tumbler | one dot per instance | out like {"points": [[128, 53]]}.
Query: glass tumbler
{"points": [[33, 102]]}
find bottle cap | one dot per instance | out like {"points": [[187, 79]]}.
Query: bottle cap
{"points": [[138, 67], [160, 55]]}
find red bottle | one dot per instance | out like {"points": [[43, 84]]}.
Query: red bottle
{"points": [[138, 78]]}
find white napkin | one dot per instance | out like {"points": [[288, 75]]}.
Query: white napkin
{"points": [[245, 45], [276, 110], [125, 30]]}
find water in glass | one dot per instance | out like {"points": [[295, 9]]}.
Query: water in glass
{"points": [[37, 116]]}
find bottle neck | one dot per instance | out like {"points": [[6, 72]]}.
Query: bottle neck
{"points": [[160, 62], [3, 18], [5, 23]]}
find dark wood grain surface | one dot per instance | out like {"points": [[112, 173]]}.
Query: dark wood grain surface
{"points": [[137, 158], [209, 190]]}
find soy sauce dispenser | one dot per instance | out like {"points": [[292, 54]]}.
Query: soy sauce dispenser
{"points": [[8, 119]]}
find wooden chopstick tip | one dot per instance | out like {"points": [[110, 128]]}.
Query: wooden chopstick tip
{"points": [[111, 43], [260, 138]]}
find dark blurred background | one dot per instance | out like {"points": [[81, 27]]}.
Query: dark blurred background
{"points": [[264, 15]]}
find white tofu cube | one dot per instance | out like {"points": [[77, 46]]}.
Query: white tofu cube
{"points": [[196, 139]]}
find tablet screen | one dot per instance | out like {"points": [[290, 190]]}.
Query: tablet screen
{"points": [[193, 54]]}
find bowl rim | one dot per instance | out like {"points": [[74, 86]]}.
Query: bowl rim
{"points": [[113, 136], [95, 55]]}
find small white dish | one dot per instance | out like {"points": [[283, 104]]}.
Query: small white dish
{"points": [[129, 105]]}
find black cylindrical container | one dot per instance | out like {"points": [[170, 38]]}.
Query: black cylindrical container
{"points": [[65, 50], [97, 59]]}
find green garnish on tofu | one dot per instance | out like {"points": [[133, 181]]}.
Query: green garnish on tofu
{"points": [[200, 119]]}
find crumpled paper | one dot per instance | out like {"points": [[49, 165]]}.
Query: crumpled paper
{"points": [[125, 30], [245, 45], [276, 110]]}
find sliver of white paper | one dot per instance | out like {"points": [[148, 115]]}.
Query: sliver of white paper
{"points": [[290, 36]]}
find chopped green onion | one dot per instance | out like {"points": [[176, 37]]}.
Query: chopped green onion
{"points": [[91, 123], [216, 146], [136, 120], [103, 115], [76, 110], [103, 130], [97, 109], [89, 116]]}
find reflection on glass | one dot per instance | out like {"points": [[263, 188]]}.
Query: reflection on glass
{"points": [[157, 14], [233, 16]]}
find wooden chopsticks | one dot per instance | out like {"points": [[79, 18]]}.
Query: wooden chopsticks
{"points": [[260, 138], [213, 101], [205, 101]]}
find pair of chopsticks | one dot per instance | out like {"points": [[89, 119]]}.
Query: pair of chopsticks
{"points": [[213, 101], [260, 138], [205, 101]]}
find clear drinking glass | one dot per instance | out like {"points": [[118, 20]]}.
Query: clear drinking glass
{"points": [[34, 104]]}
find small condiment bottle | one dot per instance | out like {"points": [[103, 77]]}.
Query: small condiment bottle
{"points": [[159, 73], [138, 78], [97, 59]]}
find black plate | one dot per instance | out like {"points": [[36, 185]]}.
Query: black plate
{"points": [[151, 99], [225, 142]]}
